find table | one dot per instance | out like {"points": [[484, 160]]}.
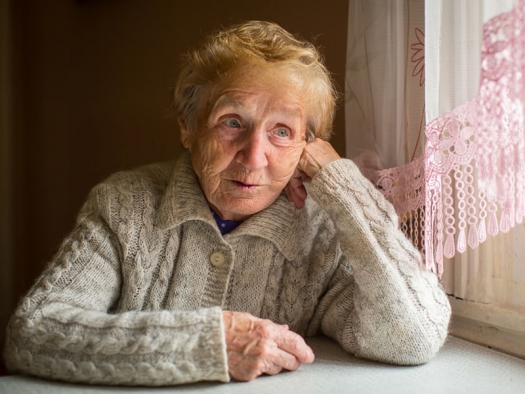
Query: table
{"points": [[460, 367]]}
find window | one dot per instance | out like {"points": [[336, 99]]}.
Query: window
{"points": [[455, 202]]}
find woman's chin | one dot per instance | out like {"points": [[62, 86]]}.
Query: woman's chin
{"points": [[240, 209]]}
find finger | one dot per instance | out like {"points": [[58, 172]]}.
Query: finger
{"points": [[289, 193], [272, 360], [294, 344], [281, 346], [285, 360], [298, 189], [316, 155], [273, 370], [295, 190], [260, 357], [298, 196]]}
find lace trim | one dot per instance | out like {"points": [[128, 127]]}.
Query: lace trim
{"points": [[470, 182]]}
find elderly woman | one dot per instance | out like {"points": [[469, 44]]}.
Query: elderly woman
{"points": [[215, 266]]}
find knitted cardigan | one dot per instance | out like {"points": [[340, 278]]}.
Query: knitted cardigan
{"points": [[135, 293]]}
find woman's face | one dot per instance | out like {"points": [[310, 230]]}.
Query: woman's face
{"points": [[248, 140]]}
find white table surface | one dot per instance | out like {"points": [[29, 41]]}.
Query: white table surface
{"points": [[460, 367]]}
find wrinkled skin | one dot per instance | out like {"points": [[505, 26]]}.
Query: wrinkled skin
{"points": [[258, 346], [315, 156], [249, 145], [247, 142]]}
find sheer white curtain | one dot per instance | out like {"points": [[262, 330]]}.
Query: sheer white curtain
{"points": [[384, 92], [384, 101]]}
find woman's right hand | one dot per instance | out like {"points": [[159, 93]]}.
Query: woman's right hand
{"points": [[258, 346], [315, 156]]}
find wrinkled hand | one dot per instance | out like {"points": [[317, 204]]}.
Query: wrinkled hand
{"points": [[315, 156], [258, 346]]}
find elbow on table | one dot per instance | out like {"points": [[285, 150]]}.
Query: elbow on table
{"points": [[406, 350], [24, 342], [415, 342], [415, 352]]}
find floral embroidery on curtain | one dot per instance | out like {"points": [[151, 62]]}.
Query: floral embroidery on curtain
{"points": [[384, 83], [470, 181]]}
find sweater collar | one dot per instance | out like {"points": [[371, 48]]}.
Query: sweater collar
{"points": [[184, 200]]}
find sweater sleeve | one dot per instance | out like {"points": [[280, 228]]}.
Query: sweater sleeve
{"points": [[382, 304], [64, 328]]}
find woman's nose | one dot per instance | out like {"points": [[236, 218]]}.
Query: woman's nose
{"points": [[253, 153]]}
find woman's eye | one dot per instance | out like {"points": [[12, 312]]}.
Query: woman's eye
{"points": [[232, 122], [283, 133]]}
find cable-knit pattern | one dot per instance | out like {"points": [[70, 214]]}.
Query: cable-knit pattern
{"points": [[132, 297], [371, 239], [114, 339], [119, 373]]}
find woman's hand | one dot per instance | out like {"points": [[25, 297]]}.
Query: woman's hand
{"points": [[258, 346], [315, 156]]}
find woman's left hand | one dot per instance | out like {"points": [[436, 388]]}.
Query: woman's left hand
{"points": [[259, 346], [315, 156]]}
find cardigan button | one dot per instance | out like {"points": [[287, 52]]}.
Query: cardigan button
{"points": [[217, 259]]}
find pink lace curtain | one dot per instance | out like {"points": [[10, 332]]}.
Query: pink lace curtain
{"points": [[470, 181]]}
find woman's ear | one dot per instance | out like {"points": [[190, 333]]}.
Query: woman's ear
{"points": [[185, 135]]}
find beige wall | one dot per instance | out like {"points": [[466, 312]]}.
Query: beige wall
{"points": [[91, 85]]}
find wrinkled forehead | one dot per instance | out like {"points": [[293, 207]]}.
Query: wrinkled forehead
{"points": [[247, 84], [246, 98]]}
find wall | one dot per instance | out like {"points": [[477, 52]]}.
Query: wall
{"points": [[518, 254], [90, 89], [6, 269]]}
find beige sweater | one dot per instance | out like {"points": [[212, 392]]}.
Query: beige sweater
{"points": [[134, 296]]}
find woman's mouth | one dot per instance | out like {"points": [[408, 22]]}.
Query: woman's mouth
{"points": [[245, 186]]}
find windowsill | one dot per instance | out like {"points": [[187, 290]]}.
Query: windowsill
{"points": [[489, 325], [460, 366]]}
